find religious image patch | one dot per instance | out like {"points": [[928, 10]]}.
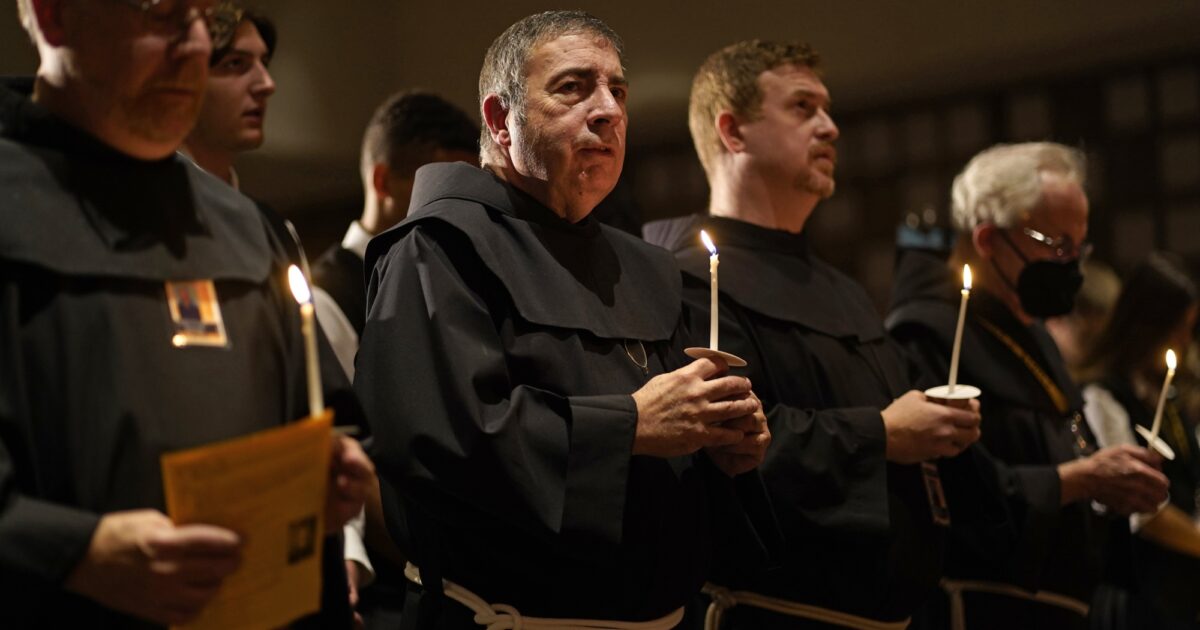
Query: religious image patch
{"points": [[302, 539], [195, 314]]}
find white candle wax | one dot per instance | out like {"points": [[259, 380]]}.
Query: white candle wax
{"points": [[316, 398], [958, 331], [713, 326], [308, 328], [1162, 396], [713, 261]]}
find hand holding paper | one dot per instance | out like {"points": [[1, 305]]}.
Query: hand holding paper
{"points": [[140, 563]]}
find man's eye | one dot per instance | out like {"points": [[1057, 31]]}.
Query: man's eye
{"points": [[569, 87], [619, 93], [237, 64]]}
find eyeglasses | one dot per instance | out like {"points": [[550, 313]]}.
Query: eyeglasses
{"points": [[172, 19], [1063, 246]]}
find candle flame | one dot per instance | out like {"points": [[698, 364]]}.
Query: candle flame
{"points": [[299, 285], [1171, 360], [966, 277], [712, 249]]}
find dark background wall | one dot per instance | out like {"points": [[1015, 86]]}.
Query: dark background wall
{"points": [[918, 87]]}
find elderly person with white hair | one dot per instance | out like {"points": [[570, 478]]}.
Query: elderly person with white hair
{"points": [[1021, 216]]}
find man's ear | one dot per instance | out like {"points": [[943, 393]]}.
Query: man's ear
{"points": [[379, 180], [495, 116], [730, 133], [49, 17], [983, 237]]}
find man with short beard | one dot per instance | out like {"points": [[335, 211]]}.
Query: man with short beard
{"points": [[544, 458], [862, 517], [103, 224]]}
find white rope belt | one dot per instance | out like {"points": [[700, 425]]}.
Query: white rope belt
{"points": [[724, 599], [956, 588], [505, 617]]}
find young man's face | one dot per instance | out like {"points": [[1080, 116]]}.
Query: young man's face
{"points": [[235, 104], [573, 136], [792, 139]]}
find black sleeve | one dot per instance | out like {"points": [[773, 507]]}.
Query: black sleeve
{"points": [[1014, 534], [40, 541], [452, 430], [830, 464]]}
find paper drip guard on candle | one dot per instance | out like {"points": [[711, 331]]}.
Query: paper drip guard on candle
{"points": [[707, 353], [961, 392], [1155, 442]]}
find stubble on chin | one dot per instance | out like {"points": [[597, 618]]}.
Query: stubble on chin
{"points": [[819, 184]]}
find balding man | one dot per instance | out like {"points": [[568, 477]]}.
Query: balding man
{"points": [[142, 311]]}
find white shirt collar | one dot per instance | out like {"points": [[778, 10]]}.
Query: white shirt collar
{"points": [[356, 239]]}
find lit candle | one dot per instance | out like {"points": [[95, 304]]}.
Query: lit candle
{"points": [[1162, 397], [713, 261], [316, 399], [962, 317]]}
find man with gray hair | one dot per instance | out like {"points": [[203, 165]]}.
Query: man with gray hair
{"points": [[1021, 216], [545, 461]]}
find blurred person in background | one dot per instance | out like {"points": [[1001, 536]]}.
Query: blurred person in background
{"points": [[408, 130], [1075, 332], [1125, 369]]}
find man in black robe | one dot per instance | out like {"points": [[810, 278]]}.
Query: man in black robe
{"points": [[536, 444], [99, 375], [849, 433], [1021, 217], [408, 130]]}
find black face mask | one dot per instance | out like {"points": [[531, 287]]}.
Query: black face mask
{"points": [[1046, 288]]}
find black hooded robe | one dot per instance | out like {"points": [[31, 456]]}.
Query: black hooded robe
{"points": [[501, 348], [1030, 429], [92, 390], [860, 536]]}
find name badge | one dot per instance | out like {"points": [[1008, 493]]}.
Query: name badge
{"points": [[195, 314], [937, 498]]}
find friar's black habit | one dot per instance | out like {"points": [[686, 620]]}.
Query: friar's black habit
{"points": [[860, 537], [92, 389], [1029, 428], [501, 348]]}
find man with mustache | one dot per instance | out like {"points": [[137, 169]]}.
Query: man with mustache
{"points": [[1021, 216], [862, 518], [100, 373], [546, 451], [234, 110]]}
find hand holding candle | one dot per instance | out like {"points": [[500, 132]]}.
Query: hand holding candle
{"points": [[300, 290], [1151, 436]]}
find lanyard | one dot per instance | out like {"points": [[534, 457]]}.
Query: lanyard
{"points": [[1052, 389], [1056, 395]]}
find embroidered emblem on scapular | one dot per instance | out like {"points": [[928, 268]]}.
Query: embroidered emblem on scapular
{"points": [[195, 314]]}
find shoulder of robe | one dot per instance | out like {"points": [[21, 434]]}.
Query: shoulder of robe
{"points": [[79, 216], [803, 291], [607, 283]]}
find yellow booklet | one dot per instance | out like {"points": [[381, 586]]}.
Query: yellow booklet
{"points": [[269, 487]]}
